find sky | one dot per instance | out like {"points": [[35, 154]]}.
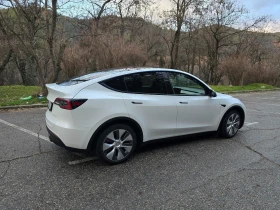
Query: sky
{"points": [[265, 7], [256, 8]]}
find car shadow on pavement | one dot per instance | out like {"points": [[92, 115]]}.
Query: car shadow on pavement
{"points": [[175, 141]]}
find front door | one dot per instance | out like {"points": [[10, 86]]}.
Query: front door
{"points": [[196, 111]]}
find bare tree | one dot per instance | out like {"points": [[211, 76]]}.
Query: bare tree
{"points": [[39, 46], [177, 17], [6, 60], [223, 20], [5, 46], [209, 38], [51, 29], [276, 62]]}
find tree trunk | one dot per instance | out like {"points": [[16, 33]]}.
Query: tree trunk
{"points": [[276, 80], [6, 61], [161, 62], [242, 78], [21, 65], [57, 65], [199, 64], [175, 49], [193, 60]]}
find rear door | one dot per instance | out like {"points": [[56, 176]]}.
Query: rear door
{"points": [[148, 103]]}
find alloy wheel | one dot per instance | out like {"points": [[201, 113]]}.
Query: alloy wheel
{"points": [[233, 124], [118, 144]]}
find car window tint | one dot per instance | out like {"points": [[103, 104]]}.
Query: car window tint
{"points": [[146, 82], [184, 85], [116, 84]]}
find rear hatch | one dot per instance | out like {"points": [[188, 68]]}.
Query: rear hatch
{"points": [[59, 91], [72, 87], [61, 100]]}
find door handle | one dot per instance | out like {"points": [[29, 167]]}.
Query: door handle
{"points": [[184, 102], [134, 102]]}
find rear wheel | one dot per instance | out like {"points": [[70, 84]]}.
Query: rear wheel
{"points": [[230, 124], [116, 143]]}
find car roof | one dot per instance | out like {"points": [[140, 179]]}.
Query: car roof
{"points": [[100, 76], [111, 73]]}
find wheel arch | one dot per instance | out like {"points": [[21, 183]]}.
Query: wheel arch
{"points": [[240, 110], [117, 120]]}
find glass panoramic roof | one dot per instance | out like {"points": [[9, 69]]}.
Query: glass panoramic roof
{"points": [[94, 75]]}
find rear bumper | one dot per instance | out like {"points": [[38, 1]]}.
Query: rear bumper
{"points": [[55, 139], [65, 133]]}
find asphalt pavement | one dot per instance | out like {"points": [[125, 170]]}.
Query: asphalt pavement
{"points": [[204, 172]]}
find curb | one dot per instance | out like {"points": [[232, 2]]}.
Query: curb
{"points": [[251, 91], [45, 105], [24, 106]]}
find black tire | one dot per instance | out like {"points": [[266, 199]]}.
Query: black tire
{"points": [[115, 146], [230, 124]]}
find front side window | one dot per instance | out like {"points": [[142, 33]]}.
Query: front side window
{"points": [[185, 85], [146, 82]]}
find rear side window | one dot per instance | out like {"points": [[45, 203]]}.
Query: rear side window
{"points": [[146, 82], [116, 83]]}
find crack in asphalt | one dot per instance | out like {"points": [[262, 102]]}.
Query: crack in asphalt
{"points": [[39, 142], [6, 171], [250, 148], [227, 174], [34, 155], [244, 168], [265, 140]]}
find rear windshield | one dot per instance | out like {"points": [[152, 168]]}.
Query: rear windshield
{"points": [[88, 77]]}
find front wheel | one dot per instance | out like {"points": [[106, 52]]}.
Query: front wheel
{"points": [[230, 124], [116, 143]]}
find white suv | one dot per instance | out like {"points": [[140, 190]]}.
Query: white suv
{"points": [[112, 112]]}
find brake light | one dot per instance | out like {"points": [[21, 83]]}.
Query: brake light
{"points": [[69, 104]]}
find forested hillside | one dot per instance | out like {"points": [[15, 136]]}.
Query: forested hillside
{"points": [[215, 40]]}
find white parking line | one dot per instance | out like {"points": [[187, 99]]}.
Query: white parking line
{"points": [[253, 110], [47, 139], [25, 130], [265, 98], [249, 102], [82, 160], [249, 124]]}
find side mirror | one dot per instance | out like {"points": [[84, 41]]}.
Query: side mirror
{"points": [[212, 94]]}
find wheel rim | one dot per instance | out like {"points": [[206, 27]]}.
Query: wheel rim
{"points": [[118, 145], [233, 124]]}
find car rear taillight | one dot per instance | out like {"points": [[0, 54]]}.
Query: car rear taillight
{"points": [[69, 104]]}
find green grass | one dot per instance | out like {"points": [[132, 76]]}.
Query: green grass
{"points": [[10, 95], [255, 86]]}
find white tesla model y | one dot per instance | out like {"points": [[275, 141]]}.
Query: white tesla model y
{"points": [[112, 112]]}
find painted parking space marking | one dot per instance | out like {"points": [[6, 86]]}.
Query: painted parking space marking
{"points": [[47, 139], [267, 98], [251, 102], [82, 160], [75, 162], [253, 110], [25, 130], [252, 123]]}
